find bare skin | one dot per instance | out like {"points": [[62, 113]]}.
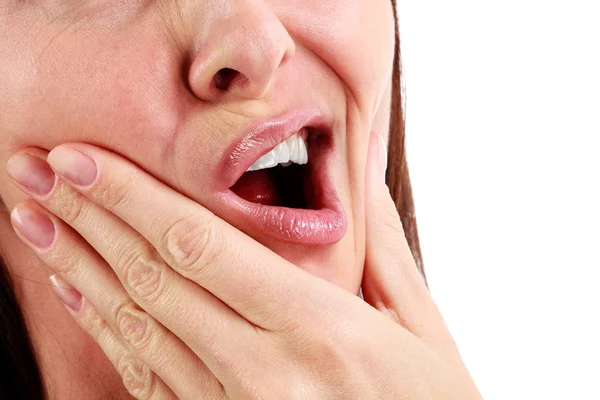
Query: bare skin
{"points": [[109, 75]]}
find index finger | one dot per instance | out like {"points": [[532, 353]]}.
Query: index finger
{"points": [[251, 279]]}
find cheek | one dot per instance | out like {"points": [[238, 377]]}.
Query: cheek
{"points": [[354, 37], [113, 90]]}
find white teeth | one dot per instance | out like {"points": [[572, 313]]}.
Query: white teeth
{"points": [[302, 152], [293, 144], [270, 159], [284, 152], [293, 150]]}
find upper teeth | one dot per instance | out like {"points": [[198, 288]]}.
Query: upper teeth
{"points": [[293, 150]]}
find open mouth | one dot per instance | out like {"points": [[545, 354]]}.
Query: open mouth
{"points": [[285, 189], [282, 177]]}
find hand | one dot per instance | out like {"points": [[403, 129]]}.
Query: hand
{"points": [[186, 306]]}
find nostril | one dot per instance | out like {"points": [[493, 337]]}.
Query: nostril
{"points": [[224, 78]]}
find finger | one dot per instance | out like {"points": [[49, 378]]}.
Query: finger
{"points": [[219, 336], [68, 254], [139, 380], [391, 281], [192, 240]]}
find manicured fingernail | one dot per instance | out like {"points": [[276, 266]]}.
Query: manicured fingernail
{"points": [[35, 226], [73, 165], [32, 172], [382, 154], [65, 292]]}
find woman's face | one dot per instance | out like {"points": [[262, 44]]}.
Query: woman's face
{"points": [[196, 91]]}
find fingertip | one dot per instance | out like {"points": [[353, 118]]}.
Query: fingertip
{"points": [[70, 297]]}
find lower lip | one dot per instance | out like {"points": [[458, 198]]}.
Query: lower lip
{"points": [[322, 226]]}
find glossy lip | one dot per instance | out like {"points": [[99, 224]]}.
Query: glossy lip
{"points": [[322, 226], [263, 137]]}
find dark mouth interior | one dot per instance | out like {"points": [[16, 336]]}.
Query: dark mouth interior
{"points": [[279, 186]]}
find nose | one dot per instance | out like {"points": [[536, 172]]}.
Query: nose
{"points": [[239, 53]]}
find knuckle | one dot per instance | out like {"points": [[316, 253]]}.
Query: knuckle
{"points": [[144, 274], [193, 243], [392, 223], [138, 379], [335, 340], [115, 194], [69, 205], [136, 327], [92, 322], [65, 261]]}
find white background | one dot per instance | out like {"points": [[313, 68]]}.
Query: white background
{"points": [[503, 136]]}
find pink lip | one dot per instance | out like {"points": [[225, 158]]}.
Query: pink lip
{"points": [[326, 224], [261, 138]]}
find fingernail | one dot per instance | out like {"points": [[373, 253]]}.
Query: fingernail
{"points": [[65, 292], [35, 226], [31, 172], [73, 165], [383, 155]]}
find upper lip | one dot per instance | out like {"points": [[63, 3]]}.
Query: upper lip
{"points": [[264, 136]]}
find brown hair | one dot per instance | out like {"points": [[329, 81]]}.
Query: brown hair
{"points": [[397, 176]]}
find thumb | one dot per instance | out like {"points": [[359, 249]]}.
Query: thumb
{"points": [[391, 281]]}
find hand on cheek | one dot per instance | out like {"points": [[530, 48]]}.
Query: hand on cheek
{"points": [[154, 287]]}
